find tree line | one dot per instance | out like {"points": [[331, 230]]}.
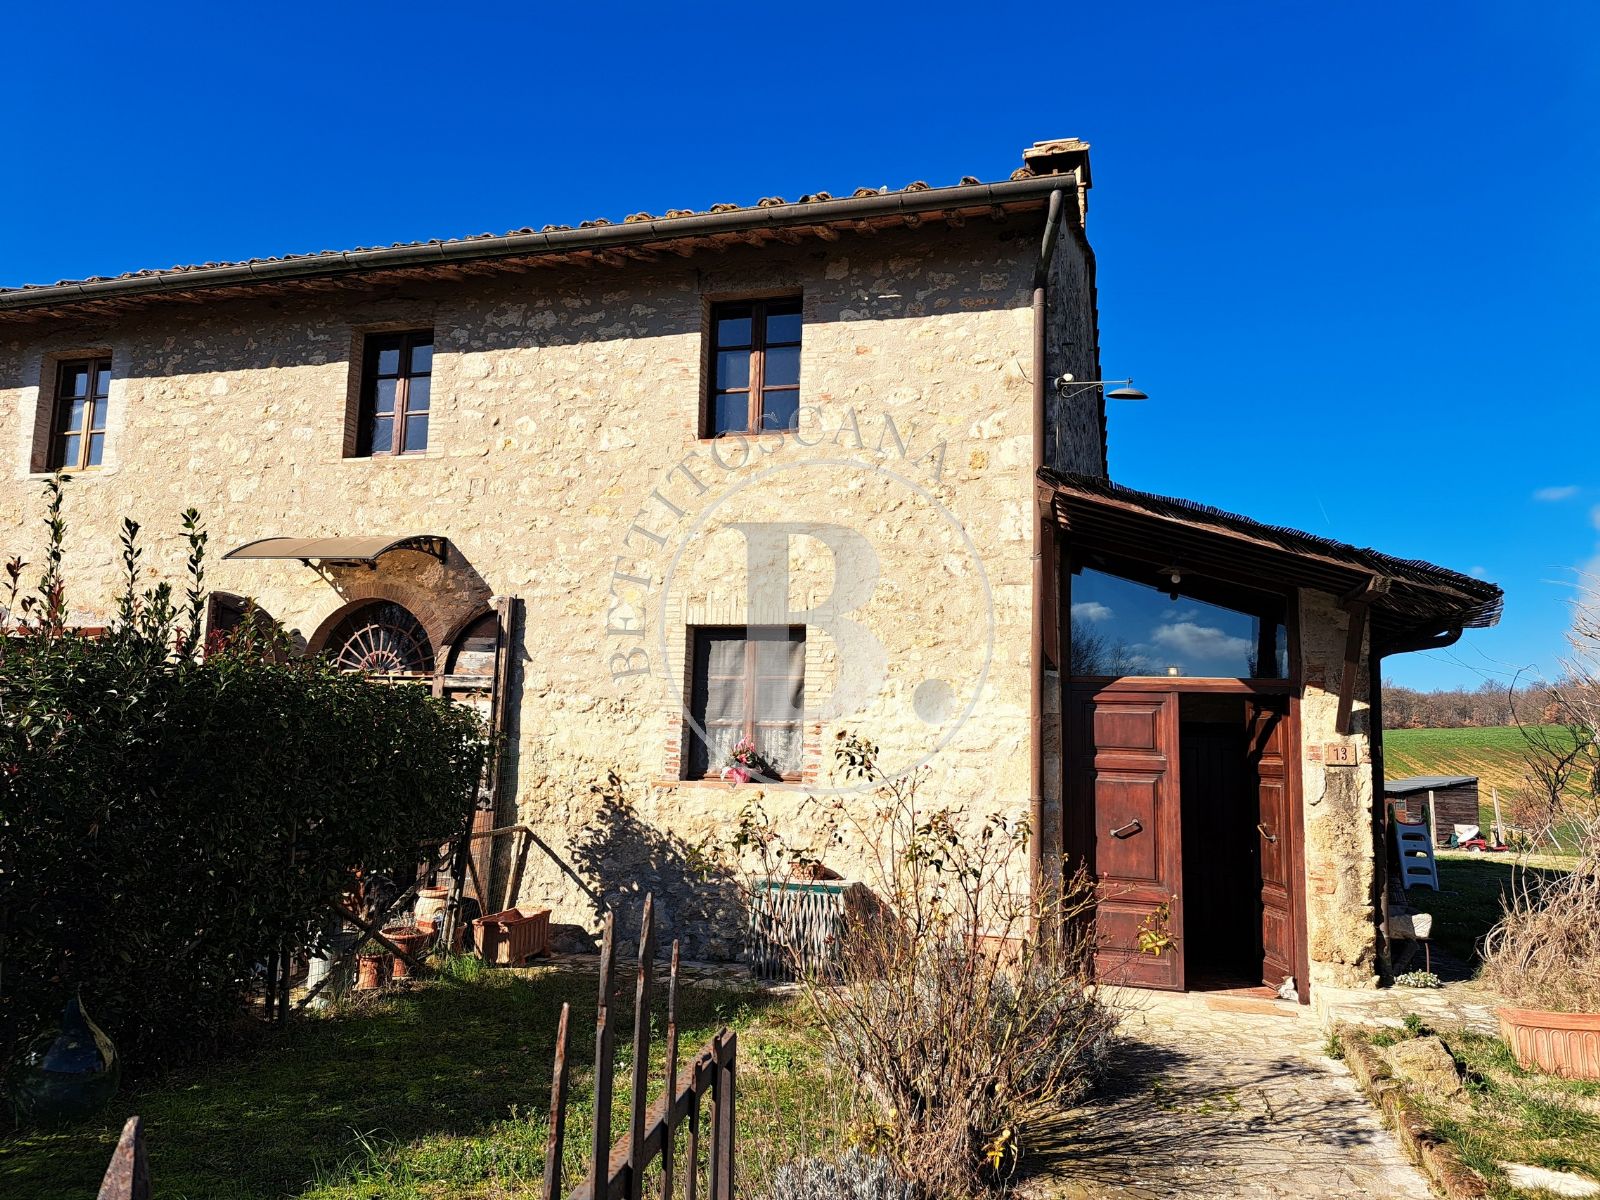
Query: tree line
{"points": [[1490, 703]]}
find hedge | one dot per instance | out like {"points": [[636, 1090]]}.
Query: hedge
{"points": [[172, 811]]}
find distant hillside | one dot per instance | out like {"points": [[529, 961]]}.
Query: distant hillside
{"points": [[1493, 753]]}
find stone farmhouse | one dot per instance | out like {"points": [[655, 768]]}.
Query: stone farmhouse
{"points": [[649, 489]]}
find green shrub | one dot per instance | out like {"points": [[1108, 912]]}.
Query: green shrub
{"points": [[172, 812]]}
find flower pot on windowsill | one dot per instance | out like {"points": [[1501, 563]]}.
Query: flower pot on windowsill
{"points": [[512, 937], [413, 939], [372, 971], [1557, 1043]]}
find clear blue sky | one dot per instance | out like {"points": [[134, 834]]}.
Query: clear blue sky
{"points": [[1349, 249]]}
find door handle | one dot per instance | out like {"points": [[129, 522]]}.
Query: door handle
{"points": [[1128, 830], [1271, 837]]}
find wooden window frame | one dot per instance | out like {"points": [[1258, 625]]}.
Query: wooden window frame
{"points": [[698, 722], [372, 345], [761, 309], [93, 421]]}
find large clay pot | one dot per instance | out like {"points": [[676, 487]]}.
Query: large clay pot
{"points": [[1564, 1044], [430, 904]]}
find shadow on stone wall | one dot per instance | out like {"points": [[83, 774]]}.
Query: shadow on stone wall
{"points": [[621, 857]]}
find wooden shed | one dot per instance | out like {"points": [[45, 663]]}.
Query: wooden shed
{"points": [[1455, 801]]}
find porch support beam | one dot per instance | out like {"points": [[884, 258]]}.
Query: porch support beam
{"points": [[1354, 635]]}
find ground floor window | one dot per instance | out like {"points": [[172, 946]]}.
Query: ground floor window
{"points": [[747, 683], [381, 638]]}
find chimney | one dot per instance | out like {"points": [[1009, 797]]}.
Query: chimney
{"points": [[1063, 156]]}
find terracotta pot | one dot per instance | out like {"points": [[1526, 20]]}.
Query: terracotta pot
{"points": [[1564, 1044], [372, 971], [413, 940], [512, 937], [430, 903]]}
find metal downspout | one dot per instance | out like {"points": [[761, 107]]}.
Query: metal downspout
{"points": [[1041, 531]]}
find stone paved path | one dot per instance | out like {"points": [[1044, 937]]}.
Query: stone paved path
{"points": [[1224, 1104]]}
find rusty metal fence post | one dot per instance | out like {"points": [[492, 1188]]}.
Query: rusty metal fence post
{"points": [[617, 1171]]}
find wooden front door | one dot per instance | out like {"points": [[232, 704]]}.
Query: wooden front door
{"points": [[1124, 794], [1267, 720]]}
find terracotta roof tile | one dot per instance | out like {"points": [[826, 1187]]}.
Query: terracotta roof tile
{"points": [[670, 215]]}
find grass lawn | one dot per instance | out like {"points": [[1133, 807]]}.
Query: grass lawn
{"points": [[441, 1090], [1468, 903], [1512, 1115]]}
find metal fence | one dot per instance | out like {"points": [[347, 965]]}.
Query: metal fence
{"points": [[617, 1170]]}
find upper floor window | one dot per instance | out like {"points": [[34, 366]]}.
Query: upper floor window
{"points": [[754, 367], [78, 425], [396, 386]]}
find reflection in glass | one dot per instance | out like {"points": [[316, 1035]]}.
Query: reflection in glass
{"points": [[783, 327], [782, 366], [96, 448], [418, 392], [730, 414], [422, 358], [733, 331], [417, 431], [389, 360], [382, 434], [383, 396], [780, 410], [1121, 627], [733, 369]]}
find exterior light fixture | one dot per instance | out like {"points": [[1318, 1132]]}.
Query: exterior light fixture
{"points": [[1067, 387], [1174, 575]]}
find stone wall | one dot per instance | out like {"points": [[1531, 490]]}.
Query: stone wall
{"points": [[564, 461], [1337, 800]]}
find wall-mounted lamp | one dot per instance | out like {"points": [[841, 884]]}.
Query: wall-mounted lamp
{"points": [[1067, 387], [1174, 575]]}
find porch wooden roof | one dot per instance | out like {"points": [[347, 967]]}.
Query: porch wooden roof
{"points": [[1411, 602]]}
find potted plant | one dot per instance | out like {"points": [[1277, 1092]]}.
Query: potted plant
{"points": [[1544, 955], [744, 763], [373, 966], [1544, 958], [410, 937]]}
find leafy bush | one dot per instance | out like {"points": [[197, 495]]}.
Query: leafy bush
{"points": [[961, 1007], [172, 812], [855, 1176]]}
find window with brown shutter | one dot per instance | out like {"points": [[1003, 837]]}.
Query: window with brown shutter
{"points": [[78, 421], [747, 682], [396, 393], [753, 371]]}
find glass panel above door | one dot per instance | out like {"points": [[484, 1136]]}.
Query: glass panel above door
{"points": [[1120, 626]]}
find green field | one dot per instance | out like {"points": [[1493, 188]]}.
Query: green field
{"points": [[1495, 754]]}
